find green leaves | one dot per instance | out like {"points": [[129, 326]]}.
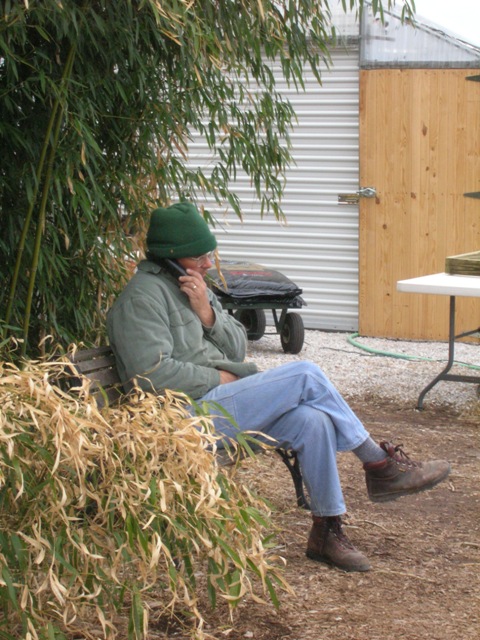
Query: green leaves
{"points": [[99, 102]]}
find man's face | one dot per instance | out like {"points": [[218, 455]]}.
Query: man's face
{"points": [[200, 264]]}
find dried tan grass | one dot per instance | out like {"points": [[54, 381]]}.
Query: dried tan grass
{"points": [[97, 508]]}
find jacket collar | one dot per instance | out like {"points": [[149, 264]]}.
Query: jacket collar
{"points": [[149, 267]]}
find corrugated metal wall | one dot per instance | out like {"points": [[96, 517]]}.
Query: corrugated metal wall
{"points": [[318, 247]]}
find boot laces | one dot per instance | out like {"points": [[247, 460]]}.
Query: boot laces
{"points": [[397, 453], [335, 527]]}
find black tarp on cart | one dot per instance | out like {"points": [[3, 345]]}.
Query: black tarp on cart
{"points": [[246, 290]]}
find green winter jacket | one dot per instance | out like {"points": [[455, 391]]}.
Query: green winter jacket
{"points": [[160, 342]]}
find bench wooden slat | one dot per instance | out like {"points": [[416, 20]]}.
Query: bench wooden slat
{"points": [[103, 377], [93, 353], [88, 367]]}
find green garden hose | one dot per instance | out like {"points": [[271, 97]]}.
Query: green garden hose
{"points": [[352, 339]]}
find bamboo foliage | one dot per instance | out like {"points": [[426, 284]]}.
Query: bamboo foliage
{"points": [[99, 101], [103, 514]]}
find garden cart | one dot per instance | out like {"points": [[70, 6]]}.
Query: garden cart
{"points": [[247, 290]]}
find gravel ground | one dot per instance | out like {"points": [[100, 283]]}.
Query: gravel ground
{"points": [[359, 368]]}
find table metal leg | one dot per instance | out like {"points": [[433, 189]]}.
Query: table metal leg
{"points": [[444, 375]]}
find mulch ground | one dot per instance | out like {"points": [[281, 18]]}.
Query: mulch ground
{"points": [[424, 549]]}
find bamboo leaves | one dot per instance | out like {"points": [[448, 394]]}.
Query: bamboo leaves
{"points": [[104, 513], [97, 103]]}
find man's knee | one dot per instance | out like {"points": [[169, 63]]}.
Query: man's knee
{"points": [[301, 368], [312, 427]]}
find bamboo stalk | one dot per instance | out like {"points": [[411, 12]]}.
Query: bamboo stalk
{"points": [[28, 218], [43, 205]]}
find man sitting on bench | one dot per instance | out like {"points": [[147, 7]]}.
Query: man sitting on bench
{"points": [[168, 330]]}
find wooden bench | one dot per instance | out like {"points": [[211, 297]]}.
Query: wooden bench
{"points": [[98, 365]]}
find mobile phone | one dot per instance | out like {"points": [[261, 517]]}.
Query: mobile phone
{"points": [[173, 267]]}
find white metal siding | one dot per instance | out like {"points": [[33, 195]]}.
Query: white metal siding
{"points": [[318, 246]]}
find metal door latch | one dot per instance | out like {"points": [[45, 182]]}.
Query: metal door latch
{"points": [[353, 198]]}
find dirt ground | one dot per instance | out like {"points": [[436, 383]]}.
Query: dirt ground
{"points": [[424, 549]]}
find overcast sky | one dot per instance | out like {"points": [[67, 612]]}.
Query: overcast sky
{"points": [[462, 17]]}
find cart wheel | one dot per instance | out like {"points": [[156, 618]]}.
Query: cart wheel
{"points": [[293, 333], [253, 320]]}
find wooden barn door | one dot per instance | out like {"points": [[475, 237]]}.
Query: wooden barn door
{"points": [[420, 150]]}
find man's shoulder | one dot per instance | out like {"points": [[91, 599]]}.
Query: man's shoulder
{"points": [[148, 282], [148, 275]]}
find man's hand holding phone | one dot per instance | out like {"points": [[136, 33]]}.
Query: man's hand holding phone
{"points": [[194, 286]]}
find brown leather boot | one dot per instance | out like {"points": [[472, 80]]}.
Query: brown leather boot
{"points": [[327, 543], [398, 475]]}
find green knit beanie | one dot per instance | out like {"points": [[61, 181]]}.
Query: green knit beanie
{"points": [[179, 231]]}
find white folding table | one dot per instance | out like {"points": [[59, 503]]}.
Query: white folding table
{"points": [[448, 285]]}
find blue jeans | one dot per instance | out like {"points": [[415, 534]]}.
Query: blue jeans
{"points": [[297, 406]]}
